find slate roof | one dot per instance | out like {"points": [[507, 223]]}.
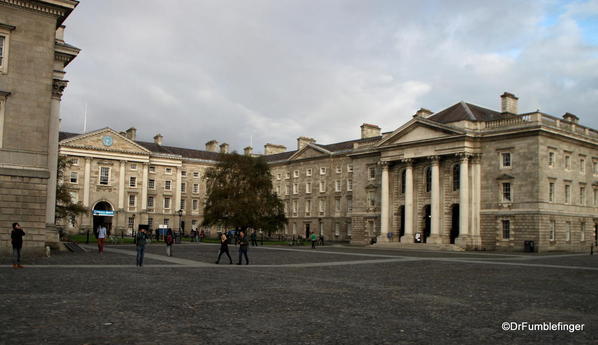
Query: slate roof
{"points": [[466, 111]]}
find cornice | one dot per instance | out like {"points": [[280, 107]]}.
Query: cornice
{"points": [[37, 6]]}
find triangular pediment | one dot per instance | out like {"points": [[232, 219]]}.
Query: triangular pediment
{"points": [[105, 139], [419, 129], [310, 151]]}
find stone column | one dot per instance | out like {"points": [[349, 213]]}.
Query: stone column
{"points": [[464, 236], [86, 181], [144, 183], [476, 201], [121, 186], [435, 203], [408, 237], [384, 204], [177, 193]]}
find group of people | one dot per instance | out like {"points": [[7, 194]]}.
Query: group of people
{"points": [[243, 245]]}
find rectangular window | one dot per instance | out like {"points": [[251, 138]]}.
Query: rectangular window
{"points": [[287, 175], [183, 187], [168, 185], [278, 176], [582, 232], [551, 192], [195, 204], [74, 197], [372, 173], [74, 177], [166, 221], [196, 188], [349, 205], [277, 190], [322, 186], [75, 161], [339, 170], [506, 192], [322, 171], [132, 200], [152, 169], [133, 166], [595, 197], [371, 198], [552, 230], [287, 189], [307, 208], [104, 175], [133, 181], [151, 184], [567, 194], [3, 51], [183, 204], [308, 187], [296, 173], [196, 174], [183, 173], [168, 171], [294, 229], [349, 168], [150, 202], [505, 159], [506, 229], [582, 195], [595, 169], [551, 159], [582, 165], [337, 205], [349, 185], [166, 203], [337, 229], [337, 186], [295, 208], [349, 229], [131, 222], [150, 222], [295, 188], [321, 207], [567, 162], [568, 231], [308, 172]]}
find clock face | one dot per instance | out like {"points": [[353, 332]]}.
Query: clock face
{"points": [[107, 140]]}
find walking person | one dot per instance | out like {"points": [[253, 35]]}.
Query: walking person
{"points": [[169, 239], [16, 237], [202, 235], [253, 238], [224, 249], [243, 245], [140, 240], [102, 232], [313, 238]]}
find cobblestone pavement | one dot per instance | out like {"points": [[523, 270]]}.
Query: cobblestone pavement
{"points": [[331, 295]]}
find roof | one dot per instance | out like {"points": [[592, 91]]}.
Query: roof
{"points": [[466, 111], [66, 135]]}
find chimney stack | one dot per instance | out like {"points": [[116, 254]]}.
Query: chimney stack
{"points": [[369, 131], [224, 148], [158, 139], [571, 118], [270, 149], [423, 112], [303, 141], [248, 150], [131, 133], [508, 103], [212, 146]]}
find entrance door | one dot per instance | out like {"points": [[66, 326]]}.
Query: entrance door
{"points": [[454, 223], [427, 222], [402, 226], [104, 217], [596, 233], [307, 231]]}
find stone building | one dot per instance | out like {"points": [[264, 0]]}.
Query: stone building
{"points": [[33, 56], [464, 177]]}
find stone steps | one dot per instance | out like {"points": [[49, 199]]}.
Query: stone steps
{"points": [[419, 246]]}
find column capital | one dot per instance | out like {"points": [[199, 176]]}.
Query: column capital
{"points": [[463, 156], [88, 159], [476, 158], [434, 159], [408, 161], [58, 86], [384, 164]]}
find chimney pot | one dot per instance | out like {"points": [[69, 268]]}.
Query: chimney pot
{"points": [[158, 139], [270, 149], [369, 131], [212, 146], [508, 103], [131, 133], [304, 141], [248, 151], [224, 148]]}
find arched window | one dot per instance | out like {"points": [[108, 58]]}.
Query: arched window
{"points": [[403, 180], [428, 179], [456, 177]]}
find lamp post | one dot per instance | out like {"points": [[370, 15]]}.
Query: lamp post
{"points": [[181, 224]]}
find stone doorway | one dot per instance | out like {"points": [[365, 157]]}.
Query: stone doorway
{"points": [[402, 224], [454, 223], [102, 214], [427, 222], [307, 230]]}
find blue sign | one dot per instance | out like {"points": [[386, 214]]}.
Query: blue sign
{"points": [[107, 140], [103, 213]]}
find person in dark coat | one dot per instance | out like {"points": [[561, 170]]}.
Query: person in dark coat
{"points": [[140, 241], [224, 248], [243, 245], [16, 237], [253, 238]]}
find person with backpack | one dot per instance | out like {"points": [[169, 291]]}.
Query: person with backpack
{"points": [[16, 237], [243, 245], [169, 239], [140, 241], [313, 238], [224, 249]]}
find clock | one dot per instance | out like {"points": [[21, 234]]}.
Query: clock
{"points": [[107, 140]]}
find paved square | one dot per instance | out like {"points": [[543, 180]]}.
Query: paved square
{"points": [[330, 295]]}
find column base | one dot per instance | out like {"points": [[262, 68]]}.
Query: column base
{"points": [[407, 238], [463, 241], [434, 239], [52, 236]]}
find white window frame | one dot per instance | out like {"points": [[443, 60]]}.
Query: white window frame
{"points": [[183, 173], [568, 194], [322, 186], [349, 205], [151, 169], [322, 170], [349, 185], [100, 176], [567, 162], [195, 205], [295, 188], [551, 189], [196, 174], [337, 205], [349, 168], [169, 203], [339, 169], [277, 190], [337, 229], [278, 176], [371, 198], [503, 192], [74, 161], [5, 32], [168, 171], [502, 156], [309, 172], [287, 175], [182, 204], [132, 197], [552, 230], [196, 188], [295, 173], [582, 165], [74, 197], [582, 194], [568, 231], [295, 206], [371, 173], [151, 184], [133, 166], [582, 231], [308, 188], [551, 159], [337, 185], [150, 201], [183, 187], [322, 207], [76, 177], [168, 185], [308, 208], [502, 229]]}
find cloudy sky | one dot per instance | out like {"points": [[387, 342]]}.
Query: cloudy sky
{"points": [[273, 70]]}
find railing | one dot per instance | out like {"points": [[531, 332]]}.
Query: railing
{"points": [[543, 120]]}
